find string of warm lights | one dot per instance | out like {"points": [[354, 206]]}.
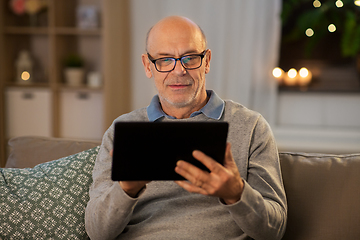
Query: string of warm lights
{"points": [[303, 77], [331, 28], [338, 3]]}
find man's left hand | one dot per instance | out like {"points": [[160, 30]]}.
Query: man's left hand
{"points": [[222, 181]]}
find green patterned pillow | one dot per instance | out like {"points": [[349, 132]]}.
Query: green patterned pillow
{"points": [[47, 201]]}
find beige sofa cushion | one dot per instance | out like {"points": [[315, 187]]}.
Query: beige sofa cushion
{"points": [[30, 151], [323, 196]]}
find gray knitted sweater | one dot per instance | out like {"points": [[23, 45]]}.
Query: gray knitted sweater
{"points": [[166, 211]]}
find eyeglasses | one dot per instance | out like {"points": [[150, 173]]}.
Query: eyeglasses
{"points": [[167, 64]]}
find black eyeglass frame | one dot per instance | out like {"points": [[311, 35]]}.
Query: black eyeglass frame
{"points": [[201, 55]]}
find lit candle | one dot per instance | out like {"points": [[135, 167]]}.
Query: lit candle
{"points": [[291, 77], [278, 74], [305, 77]]}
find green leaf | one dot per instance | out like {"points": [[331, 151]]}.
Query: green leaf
{"points": [[350, 42]]}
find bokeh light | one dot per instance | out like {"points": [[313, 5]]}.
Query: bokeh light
{"points": [[25, 75], [317, 3], [309, 32], [332, 28], [277, 72], [303, 72], [339, 3]]}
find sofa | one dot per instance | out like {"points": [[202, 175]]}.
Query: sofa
{"points": [[44, 191]]}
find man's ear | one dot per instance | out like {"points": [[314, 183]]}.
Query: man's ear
{"points": [[146, 63], [207, 61]]}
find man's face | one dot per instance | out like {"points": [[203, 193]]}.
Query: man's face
{"points": [[180, 87]]}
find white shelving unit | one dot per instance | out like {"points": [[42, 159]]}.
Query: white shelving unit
{"points": [[28, 111], [106, 49]]}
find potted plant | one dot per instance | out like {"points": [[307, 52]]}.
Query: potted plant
{"points": [[74, 70]]}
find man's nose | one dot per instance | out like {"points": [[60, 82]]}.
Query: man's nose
{"points": [[179, 68]]}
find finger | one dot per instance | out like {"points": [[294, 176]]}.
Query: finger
{"points": [[195, 175], [208, 162]]}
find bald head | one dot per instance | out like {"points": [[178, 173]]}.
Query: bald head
{"points": [[181, 90], [172, 27]]}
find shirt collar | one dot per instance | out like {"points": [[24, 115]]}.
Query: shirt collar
{"points": [[213, 109]]}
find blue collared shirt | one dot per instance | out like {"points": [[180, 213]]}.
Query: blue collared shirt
{"points": [[213, 109]]}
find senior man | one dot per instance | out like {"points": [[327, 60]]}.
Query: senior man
{"points": [[242, 199]]}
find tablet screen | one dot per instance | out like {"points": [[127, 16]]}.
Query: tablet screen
{"points": [[150, 150]]}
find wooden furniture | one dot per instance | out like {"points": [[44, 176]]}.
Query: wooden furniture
{"points": [[49, 38]]}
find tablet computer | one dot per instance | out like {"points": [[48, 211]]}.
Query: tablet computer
{"points": [[150, 150]]}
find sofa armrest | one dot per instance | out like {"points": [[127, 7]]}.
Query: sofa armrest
{"points": [[29, 151]]}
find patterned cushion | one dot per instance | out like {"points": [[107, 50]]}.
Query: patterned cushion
{"points": [[47, 201]]}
